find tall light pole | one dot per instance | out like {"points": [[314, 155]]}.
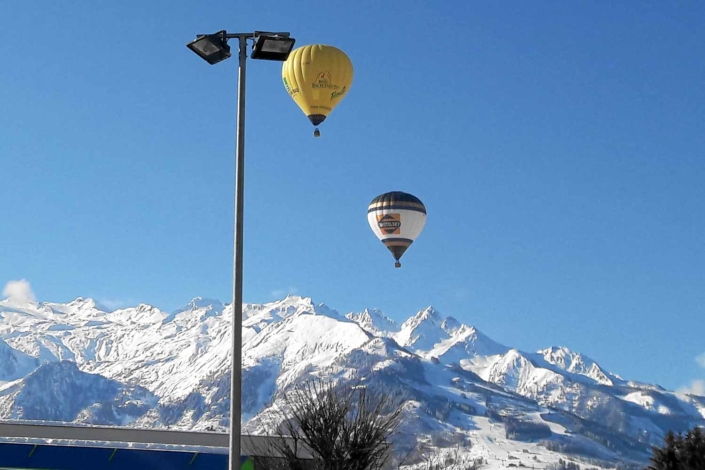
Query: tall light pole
{"points": [[214, 48]]}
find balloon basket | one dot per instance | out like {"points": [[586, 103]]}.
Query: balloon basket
{"points": [[397, 264], [316, 132]]}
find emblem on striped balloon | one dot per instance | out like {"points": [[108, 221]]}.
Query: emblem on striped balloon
{"points": [[390, 224]]}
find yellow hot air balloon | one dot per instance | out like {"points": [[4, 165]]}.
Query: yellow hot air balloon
{"points": [[317, 77]]}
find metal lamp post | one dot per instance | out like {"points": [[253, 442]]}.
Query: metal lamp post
{"points": [[213, 48]]}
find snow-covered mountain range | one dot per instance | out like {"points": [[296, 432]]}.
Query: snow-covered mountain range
{"points": [[459, 389]]}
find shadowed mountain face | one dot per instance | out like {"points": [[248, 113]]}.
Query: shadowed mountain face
{"points": [[140, 366]]}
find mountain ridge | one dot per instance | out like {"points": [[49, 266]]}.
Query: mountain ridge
{"points": [[454, 381]]}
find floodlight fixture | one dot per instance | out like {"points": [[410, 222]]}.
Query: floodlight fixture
{"points": [[272, 46], [212, 48]]}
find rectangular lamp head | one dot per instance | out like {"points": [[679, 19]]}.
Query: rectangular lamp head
{"points": [[212, 48], [272, 47]]}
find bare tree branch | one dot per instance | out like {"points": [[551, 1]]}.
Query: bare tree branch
{"points": [[342, 427]]}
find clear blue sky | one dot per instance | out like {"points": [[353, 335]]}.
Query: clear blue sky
{"points": [[558, 146]]}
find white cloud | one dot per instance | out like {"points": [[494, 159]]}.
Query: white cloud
{"points": [[19, 291], [281, 293], [697, 387], [701, 360]]}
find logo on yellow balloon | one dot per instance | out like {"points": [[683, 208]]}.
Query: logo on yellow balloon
{"points": [[390, 224], [336, 94], [323, 80], [289, 90]]}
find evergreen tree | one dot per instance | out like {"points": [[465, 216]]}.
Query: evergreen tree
{"points": [[693, 450], [666, 457], [679, 452]]}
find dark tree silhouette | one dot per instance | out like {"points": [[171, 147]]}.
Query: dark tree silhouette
{"points": [[680, 452], [342, 427]]}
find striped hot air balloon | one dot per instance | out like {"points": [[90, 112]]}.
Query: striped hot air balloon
{"points": [[397, 218]]}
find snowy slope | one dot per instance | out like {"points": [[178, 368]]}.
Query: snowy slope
{"points": [[580, 364], [426, 329], [374, 321]]}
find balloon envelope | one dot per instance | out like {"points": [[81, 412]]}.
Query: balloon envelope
{"points": [[317, 77], [397, 218]]}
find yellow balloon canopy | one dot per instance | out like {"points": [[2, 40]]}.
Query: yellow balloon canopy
{"points": [[317, 77]]}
